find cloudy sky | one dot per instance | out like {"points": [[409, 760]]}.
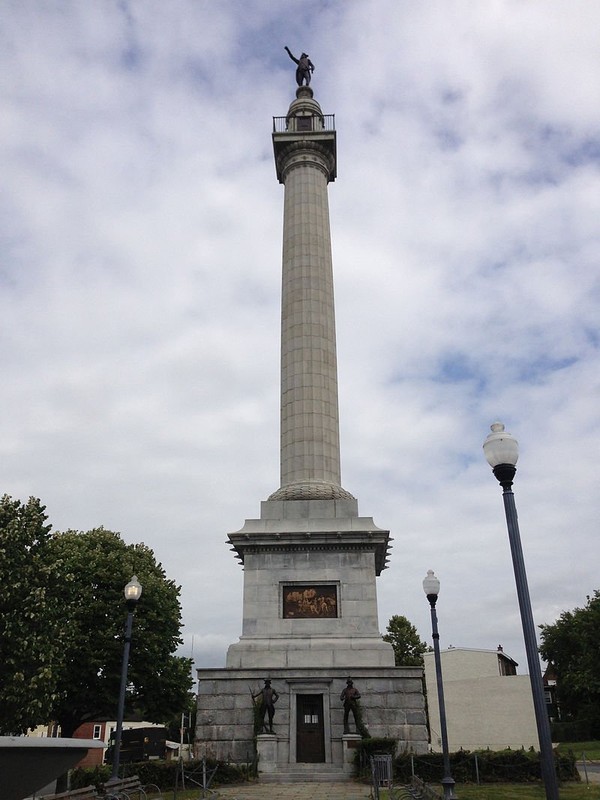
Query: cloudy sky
{"points": [[140, 236]]}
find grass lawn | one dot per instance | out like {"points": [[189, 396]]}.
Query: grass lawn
{"points": [[590, 749], [470, 791], [516, 791], [496, 791], [523, 791]]}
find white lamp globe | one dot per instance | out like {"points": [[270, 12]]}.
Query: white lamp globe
{"points": [[500, 447]]}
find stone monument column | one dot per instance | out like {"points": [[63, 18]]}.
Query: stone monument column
{"points": [[309, 617], [305, 156], [310, 541]]}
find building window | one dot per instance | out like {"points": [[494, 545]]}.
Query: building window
{"points": [[97, 732]]}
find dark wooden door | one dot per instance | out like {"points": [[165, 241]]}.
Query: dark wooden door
{"points": [[310, 730]]}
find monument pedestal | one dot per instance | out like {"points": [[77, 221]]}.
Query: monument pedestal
{"points": [[309, 587], [266, 749], [309, 622], [309, 716], [350, 744]]}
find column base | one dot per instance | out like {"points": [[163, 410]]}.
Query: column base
{"points": [[311, 490]]}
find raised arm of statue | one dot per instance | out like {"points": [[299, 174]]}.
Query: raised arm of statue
{"points": [[288, 51]]}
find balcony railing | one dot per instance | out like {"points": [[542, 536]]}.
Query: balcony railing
{"points": [[301, 124]]}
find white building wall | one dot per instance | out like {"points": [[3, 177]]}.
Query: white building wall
{"points": [[459, 663], [483, 708]]}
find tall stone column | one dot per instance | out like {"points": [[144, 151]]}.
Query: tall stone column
{"points": [[309, 537], [305, 156], [310, 561]]}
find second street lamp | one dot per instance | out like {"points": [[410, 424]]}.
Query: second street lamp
{"points": [[501, 450], [132, 592], [431, 587]]}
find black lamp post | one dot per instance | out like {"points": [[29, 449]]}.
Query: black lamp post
{"points": [[132, 592], [431, 587], [501, 450]]}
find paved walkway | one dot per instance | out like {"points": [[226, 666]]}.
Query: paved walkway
{"points": [[296, 791], [592, 768]]}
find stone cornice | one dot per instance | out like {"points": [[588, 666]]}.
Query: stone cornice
{"points": [[377, 541], [294, 149]]}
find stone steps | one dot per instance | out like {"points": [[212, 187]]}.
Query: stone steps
{"points": [[306, 773]]}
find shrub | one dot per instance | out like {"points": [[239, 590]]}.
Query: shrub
{"points": [[514, 766], [84, 776], [579, 730], [162, 773]]}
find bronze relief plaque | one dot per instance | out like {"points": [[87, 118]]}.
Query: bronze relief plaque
{"points": [[309, 601]]}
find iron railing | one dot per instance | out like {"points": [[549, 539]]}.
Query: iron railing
{"points": [[325, 122]]}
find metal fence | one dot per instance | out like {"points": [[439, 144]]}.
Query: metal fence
{"points": [[381, 773], [326, 123]]}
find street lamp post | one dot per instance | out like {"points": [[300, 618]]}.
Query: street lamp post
{"points": [[431, 587], [132, 592], [501, 450]]}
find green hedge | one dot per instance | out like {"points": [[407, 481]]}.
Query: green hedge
{"points": [[515, 766], [580, 730], [372, 746], [84, 776], [163, 773]]}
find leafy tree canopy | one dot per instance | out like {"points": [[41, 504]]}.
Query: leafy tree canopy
{"points": [[62, 624], [31, 622], [94, 568], [572, 646], [407, 645]]}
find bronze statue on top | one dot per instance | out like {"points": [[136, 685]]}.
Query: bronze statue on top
{"points": [[305, 67]]}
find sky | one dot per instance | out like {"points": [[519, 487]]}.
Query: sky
{"points": [[140, 273]]}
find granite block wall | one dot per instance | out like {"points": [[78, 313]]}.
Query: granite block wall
{"points": [[392, 705]]}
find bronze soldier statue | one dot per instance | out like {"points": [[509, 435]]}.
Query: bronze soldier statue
{"points": [[267, 705], [349, 696], [305, 67]]}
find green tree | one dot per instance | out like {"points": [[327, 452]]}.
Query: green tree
{"points": [[572, 646], [32, 631], [94, 568], [405, 640]]}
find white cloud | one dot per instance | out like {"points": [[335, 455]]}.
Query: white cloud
{"points": [[140, 229]]}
